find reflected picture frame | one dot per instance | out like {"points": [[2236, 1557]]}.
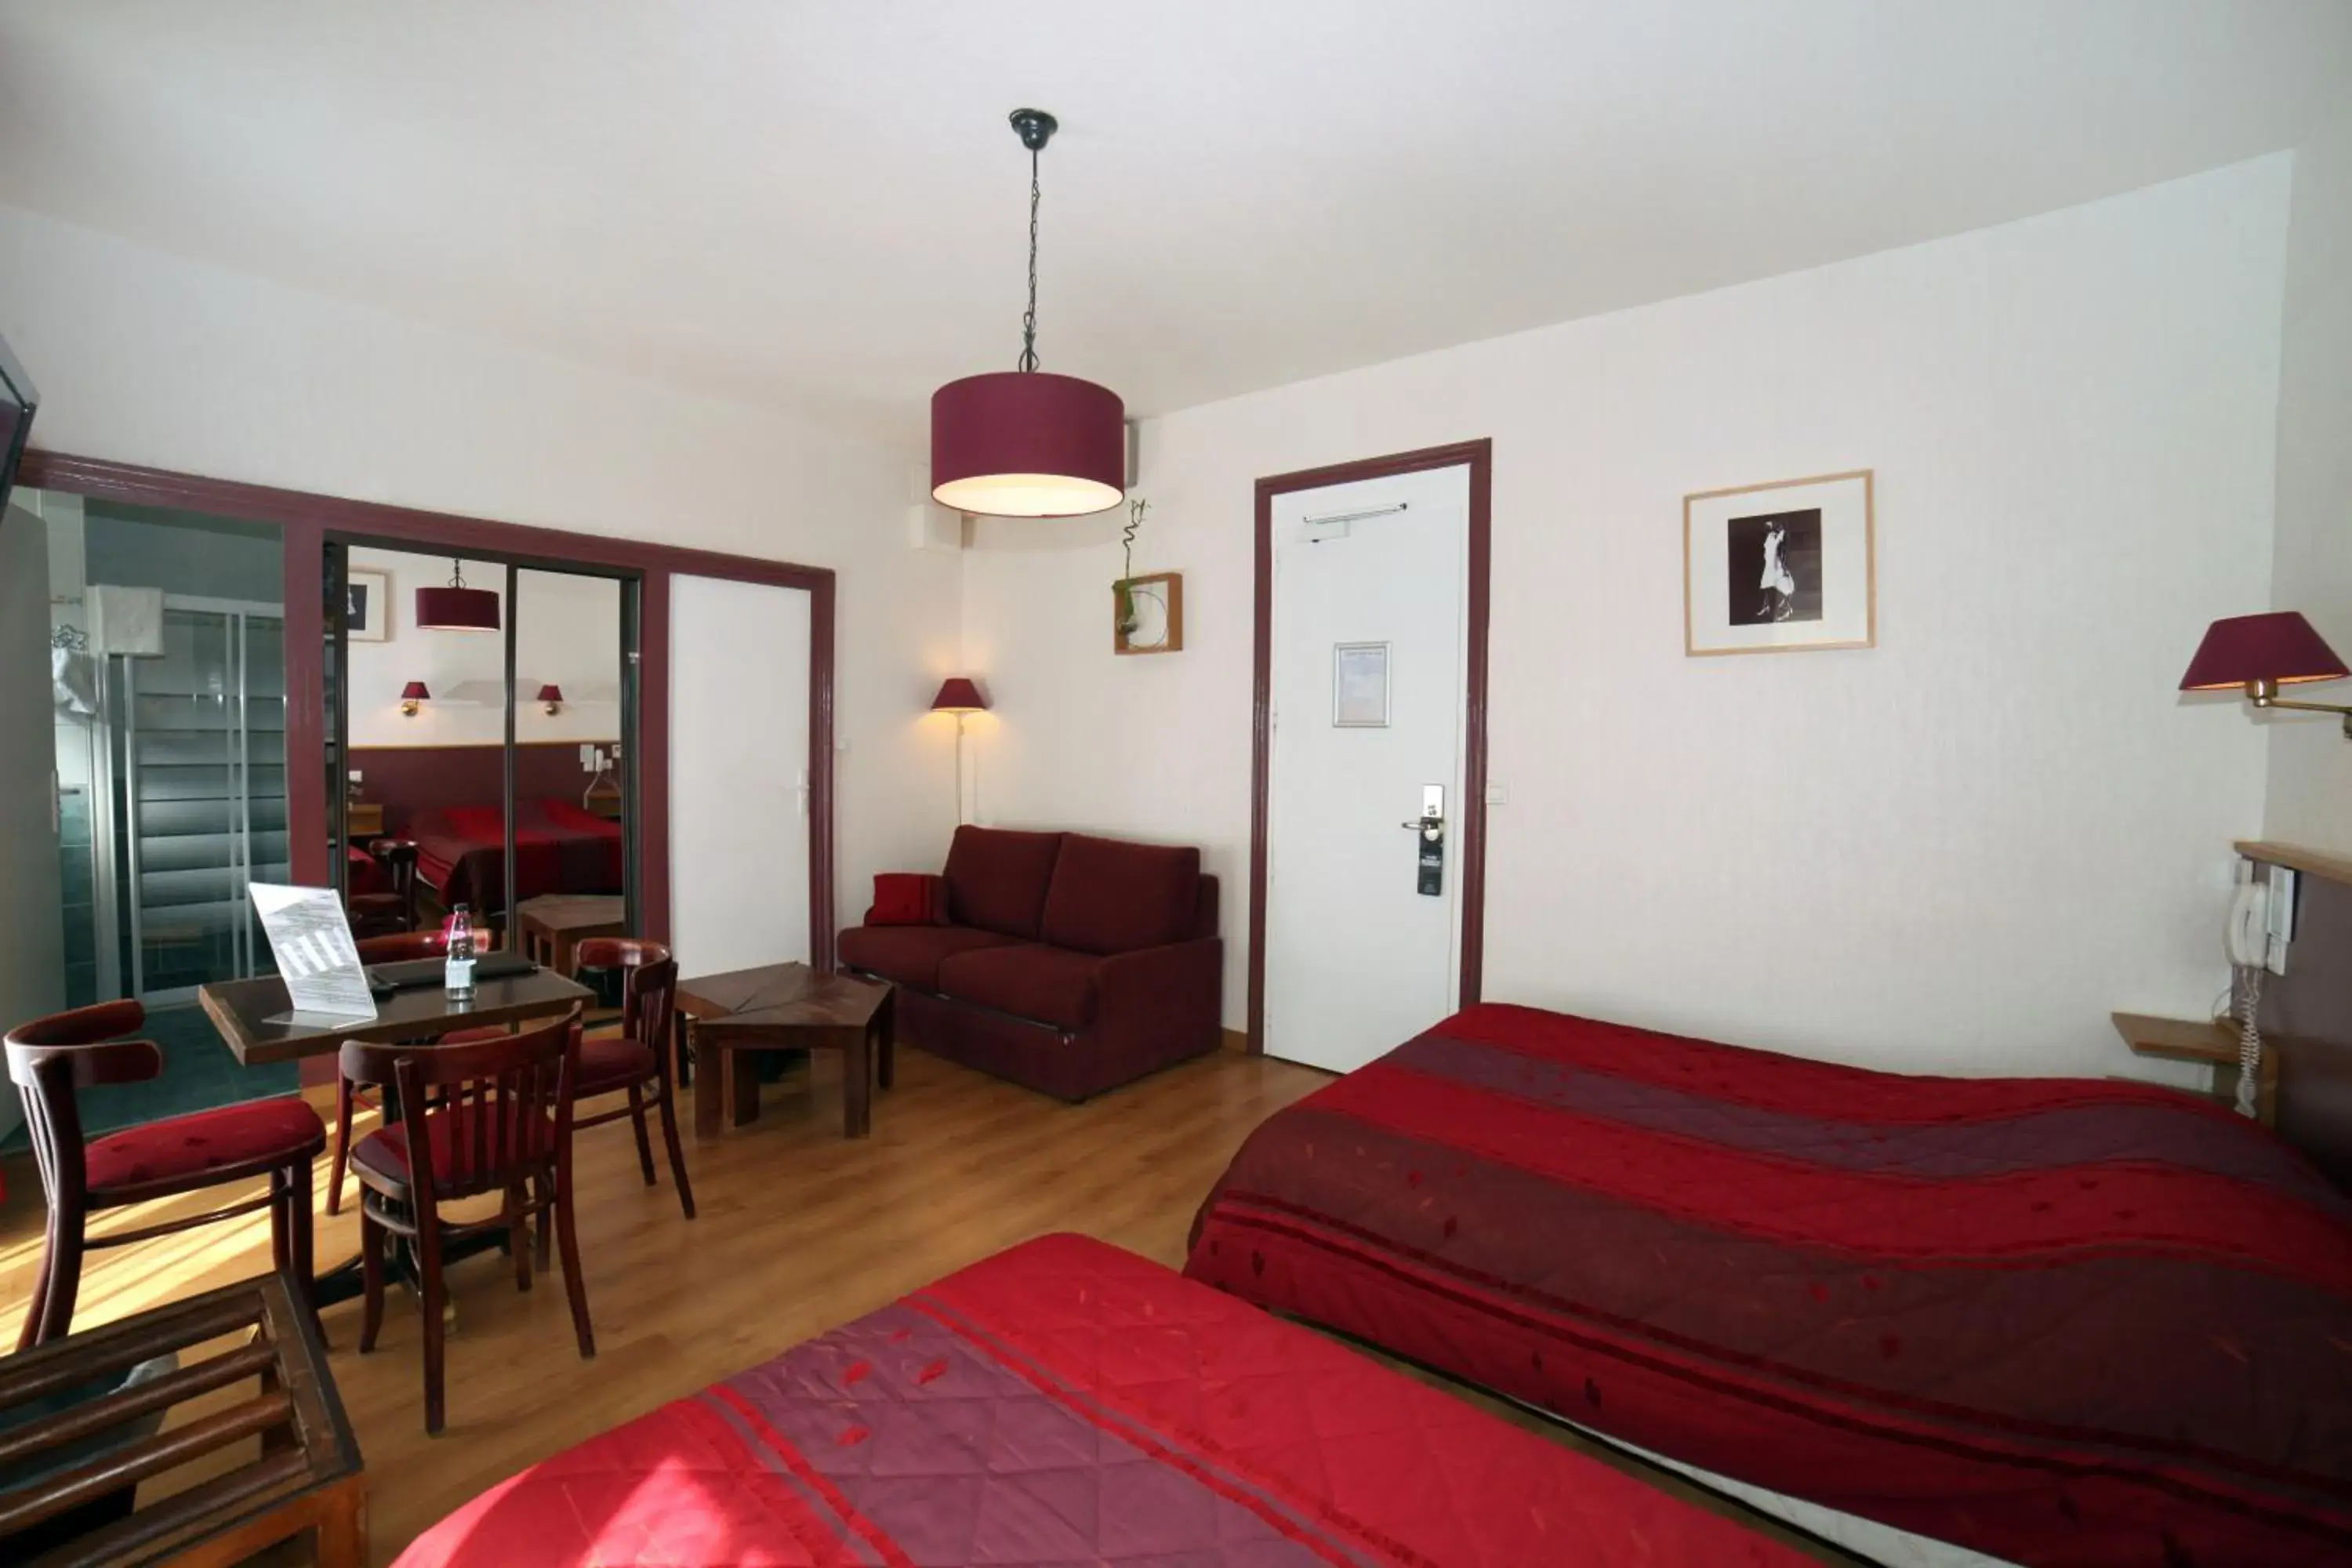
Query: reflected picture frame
{"points": [[368, 615]]}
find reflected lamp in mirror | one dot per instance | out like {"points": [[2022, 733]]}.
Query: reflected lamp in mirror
{"points": [[552, 698], [410, 696], [458, 608], [2262, 653]]}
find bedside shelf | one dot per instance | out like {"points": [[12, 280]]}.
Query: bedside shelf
{"points": [[2215, 1043]]}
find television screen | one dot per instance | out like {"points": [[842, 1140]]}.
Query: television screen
{"points": [[17, 402]]}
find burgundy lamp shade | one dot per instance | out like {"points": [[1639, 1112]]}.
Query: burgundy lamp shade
{"points": [[2279, 647], [1019, 442], [958, 695], [415, 692], [458, 608], [550, 694]]}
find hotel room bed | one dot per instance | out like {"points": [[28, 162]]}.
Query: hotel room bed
{"points": [[560, 847], [1067, 1402], [2053, 1320]]}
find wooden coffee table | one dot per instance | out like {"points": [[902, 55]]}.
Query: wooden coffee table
{"points": [[549, 927], [783, 1007]]}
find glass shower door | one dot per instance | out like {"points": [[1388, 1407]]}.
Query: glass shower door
{"points": [[204, 794]]}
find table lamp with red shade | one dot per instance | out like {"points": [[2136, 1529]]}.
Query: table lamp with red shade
{"points": [[2262, 653], [959, 696]]}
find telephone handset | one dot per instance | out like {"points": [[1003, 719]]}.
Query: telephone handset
{"points": [[2262, 923]]}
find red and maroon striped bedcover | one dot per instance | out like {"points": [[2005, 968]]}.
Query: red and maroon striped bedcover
{"points": [[2057, 1321], [1065, 1402]]}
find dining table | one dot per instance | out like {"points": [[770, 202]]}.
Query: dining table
{"points": [[258, 1021]]}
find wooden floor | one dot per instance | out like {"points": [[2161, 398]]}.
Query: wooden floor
{"points": [[799, 1230]]}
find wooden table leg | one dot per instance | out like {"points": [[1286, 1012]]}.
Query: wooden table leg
{"points": [[886, 1016], [742, 1086], [709, 1086], [857, 1081]]}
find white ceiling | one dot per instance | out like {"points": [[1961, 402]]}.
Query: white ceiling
{"points": [[819, 205]]}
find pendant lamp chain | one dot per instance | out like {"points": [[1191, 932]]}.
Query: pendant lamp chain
{"points": [[1029, 317]]}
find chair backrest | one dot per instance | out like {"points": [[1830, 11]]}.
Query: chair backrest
{"points": [[401, 946], [508, 1099], [49, 1058], [648, 984]]}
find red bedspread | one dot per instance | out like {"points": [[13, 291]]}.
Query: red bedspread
{"points": [[2058, 1320], [559, 848], [1066, 1403]]}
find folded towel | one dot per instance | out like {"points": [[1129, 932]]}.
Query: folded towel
{"points": [[126, 620]]}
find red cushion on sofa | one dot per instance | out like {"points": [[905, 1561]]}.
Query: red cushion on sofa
{"points": [[188, 1148], [907, 898], [997, 879], [1046, 985], [1113, 896], [911, 954]]}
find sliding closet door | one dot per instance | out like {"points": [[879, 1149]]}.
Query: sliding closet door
{"points": [[739, 774]]}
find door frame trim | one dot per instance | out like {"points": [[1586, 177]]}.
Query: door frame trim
{"points": [[306, 519], [1478, 456]]}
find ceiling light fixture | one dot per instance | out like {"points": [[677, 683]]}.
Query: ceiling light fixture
{"points": [[457, 608], [1024, 443]]}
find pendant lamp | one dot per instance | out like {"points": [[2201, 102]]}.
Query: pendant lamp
{"points": [[1024, 443], [457, 608]]}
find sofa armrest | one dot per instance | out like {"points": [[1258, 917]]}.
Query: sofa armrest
{"points": [[1171, 995]]}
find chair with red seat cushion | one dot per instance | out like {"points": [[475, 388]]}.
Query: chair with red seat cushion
{"points": [[388, 906], [495, 1116], [49, 1058], [394, 947], [639, 1059]]}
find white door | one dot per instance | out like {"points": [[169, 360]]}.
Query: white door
{"points": [[1369, 649], [738, 796]]}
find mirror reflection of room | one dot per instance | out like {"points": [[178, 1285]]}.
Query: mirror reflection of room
{"points": [[425, 725]]}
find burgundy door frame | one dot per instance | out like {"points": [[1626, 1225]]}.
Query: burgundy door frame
{"points": [[306, 521], [1478, 456]]}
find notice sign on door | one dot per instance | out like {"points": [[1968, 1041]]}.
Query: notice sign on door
{"points": [[1359, 685], [312, 943]]}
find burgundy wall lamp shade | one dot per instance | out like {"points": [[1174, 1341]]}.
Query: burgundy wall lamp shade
{"points": [[1027, 443], [415, 692], [2278, 648], [552, 695], [959, 694]]}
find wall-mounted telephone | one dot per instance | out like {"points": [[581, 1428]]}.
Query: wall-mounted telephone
{"points": [[2261, 923]]}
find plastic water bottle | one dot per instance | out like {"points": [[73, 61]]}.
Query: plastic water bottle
{"points": [[458, 969]]}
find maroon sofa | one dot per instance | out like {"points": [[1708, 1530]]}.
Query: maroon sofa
{"points": [[1068, 963]]}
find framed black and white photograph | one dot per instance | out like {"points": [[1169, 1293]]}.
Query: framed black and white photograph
{"points": [[367, 614], [1359, 685], [1781, 567]]}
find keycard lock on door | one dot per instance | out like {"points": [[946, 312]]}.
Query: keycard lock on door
{"points": [[1429, 829]]}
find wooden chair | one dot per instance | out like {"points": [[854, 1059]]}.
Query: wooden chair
{"points": [[387, 913], [398, 947], [639, 1059], [50, 1058], [492, 1116]]}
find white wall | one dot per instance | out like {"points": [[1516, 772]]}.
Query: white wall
{"points": [[2310, 799], [567, 635], [146, 358], [1959, 850]]}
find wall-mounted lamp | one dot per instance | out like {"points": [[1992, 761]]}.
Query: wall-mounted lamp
{"points": [[411, 695], [552, 696], [959, 696], [2262, 653]]}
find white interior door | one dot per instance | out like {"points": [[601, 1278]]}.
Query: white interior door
{"points": [[1369, 648], [739, 762]]}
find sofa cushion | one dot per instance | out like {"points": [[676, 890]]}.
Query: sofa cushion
{"points": [[911, 954], [997, 879], [1113, 896], [1048, 984]]}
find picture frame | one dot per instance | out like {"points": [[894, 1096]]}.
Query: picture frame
{"points": [[1360, 686], [1147, 613], [1785, 567], [367, 616]]}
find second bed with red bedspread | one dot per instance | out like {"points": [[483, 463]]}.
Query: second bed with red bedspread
{"points": [[2057, 1321], [560, 847], [1064, 1402]]}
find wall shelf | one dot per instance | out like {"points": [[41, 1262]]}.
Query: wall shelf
{"points": [[2335, 867]]}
